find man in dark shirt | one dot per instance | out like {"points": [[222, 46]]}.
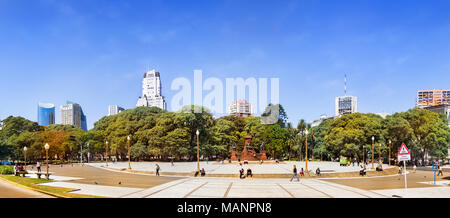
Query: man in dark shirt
{"points": [[294, 171]]}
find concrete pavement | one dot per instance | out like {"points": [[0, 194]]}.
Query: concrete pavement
{"points": [[250, 188], [8, 190]]}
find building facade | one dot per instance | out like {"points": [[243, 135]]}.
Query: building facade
{"points": [[46, 114], [345, 105], [114, 109], [72, 114], [428, 98], [151, 91], [323, 117], [240, 108], [442, 109]]}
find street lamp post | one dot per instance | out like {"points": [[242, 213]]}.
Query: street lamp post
{"points": [[81, 153], [306, 150], [89, 152], [373, 141], [129, 161], [299, 141], [390, 152], [379, 152], [364, 155], [25, 154], [46, 146], [106, 156], [198, 151]]}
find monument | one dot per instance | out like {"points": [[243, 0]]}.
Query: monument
{"points": [[249, 153]]}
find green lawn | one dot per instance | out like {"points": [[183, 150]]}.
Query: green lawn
{"points": [[32, 183]]}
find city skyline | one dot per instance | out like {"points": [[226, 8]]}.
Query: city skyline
{"points": [[97, 57]]}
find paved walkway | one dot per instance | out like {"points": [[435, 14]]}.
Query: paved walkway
{"points": [[250, 188], [233, 168], [10, 191]]}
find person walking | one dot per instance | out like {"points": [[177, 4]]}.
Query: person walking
{"points": [[157, 169], [440, 170], [16, 170], [414, 168], [294, 174], [38, 166]]}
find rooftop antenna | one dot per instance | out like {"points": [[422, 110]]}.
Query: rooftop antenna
{"points": [[345, 84]]}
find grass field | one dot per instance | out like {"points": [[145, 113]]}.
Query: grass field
{"points": [[32, 183]]}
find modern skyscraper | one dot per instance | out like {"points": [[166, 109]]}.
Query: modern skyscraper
{"points": [[72, 114], [46, 114], [114, 109], [345, 104], [151, 91], [240, 108], [427, 98]]}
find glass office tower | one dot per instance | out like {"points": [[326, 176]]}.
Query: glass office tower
{"points": [[46, 114], [72, 114]]}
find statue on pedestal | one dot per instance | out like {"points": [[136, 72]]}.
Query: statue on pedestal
{"points": [[262, 147]]}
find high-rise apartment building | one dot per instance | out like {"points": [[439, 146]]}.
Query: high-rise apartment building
{"points": [[427, 98], [151, 91], [240, 108], [114, 109], [345, 104], [72, 114], [46, 114]]}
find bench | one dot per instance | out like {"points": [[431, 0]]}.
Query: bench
{"points": [[42, 173], [23, 172]]}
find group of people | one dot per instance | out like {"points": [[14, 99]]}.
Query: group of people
{"points": [[18, 169], [301, 173], [242, 174]]}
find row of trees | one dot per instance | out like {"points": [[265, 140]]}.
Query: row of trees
{"points": [[163, 135]]}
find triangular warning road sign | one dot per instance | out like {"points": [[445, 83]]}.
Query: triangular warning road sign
{"points": [[403, 150]]}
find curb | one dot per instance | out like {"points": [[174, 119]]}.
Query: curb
{"points": [[32, 189]]}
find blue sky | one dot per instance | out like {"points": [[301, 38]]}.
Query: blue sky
{"points": [[95, 52]]}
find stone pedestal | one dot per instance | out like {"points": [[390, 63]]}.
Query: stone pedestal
{"points": [[248, 155], [263, 155], [233, 156]]}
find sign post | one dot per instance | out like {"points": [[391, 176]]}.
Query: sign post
{"points": [[434, 168], [404, 155]]}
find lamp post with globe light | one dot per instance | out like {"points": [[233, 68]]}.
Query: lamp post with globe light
{"points": [[306, 150], [106, 156], [379, 152], [46, 146], [25, 154], [390, 142], [198, 151], [129, 157], [373, 146]]}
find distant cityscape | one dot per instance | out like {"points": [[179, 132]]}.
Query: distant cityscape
{"points": [[72, 113]]}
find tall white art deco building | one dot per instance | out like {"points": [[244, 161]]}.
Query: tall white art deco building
{"points": [[151, 91]]}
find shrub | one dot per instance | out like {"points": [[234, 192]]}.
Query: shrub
{"points": [[6, 169]]}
